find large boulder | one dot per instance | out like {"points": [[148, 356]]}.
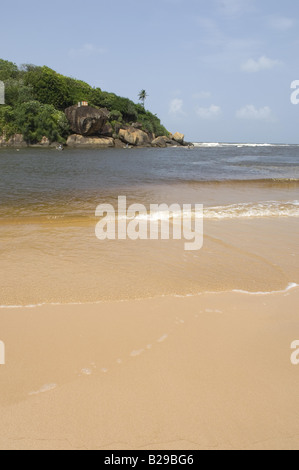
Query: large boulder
{"points": [[137, 125], [160, 142], [45, 142], [86, 120], [118, 144], [107, 130], [179, 138], [134, 136], [81, 141]]}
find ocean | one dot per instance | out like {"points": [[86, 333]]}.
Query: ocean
{"points": [[50, 254]]}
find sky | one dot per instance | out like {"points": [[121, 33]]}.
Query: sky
{"points": [[217, 70]]}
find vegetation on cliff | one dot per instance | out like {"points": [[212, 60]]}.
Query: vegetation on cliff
{"points": [[36, 98]]}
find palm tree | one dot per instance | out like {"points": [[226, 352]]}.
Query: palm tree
{"points": [[142, 97]]}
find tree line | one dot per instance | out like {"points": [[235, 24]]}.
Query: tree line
{"points": [[36, 97]]}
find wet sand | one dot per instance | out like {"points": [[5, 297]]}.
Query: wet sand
{"points": [[206, 372], [67, 264]]}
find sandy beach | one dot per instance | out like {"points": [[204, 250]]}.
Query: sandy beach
{"points": [[206, 372], [149, 228], [140, 344]]}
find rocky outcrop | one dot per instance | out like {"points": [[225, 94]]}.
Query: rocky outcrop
{"points": [[160, 142], [77, 140], [91, 128], [16, 140], [107, 130], [87, 121], [133, 136], [45, 142], [163, 142], [137, 125], [94, 124], [179, 138]]}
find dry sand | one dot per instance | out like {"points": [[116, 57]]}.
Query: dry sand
{"points": [[203, 372]]}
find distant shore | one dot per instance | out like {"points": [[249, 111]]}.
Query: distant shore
{"points": [[78, 141]]}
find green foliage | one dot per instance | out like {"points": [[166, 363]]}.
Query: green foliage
{"points": [[36, 120], [16, 92], [115, 115], [150, 122], [48, 87], [8, 126], [77, 91], [142, 97], [36, 98], [8, 70]]}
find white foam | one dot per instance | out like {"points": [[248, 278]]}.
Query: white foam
{"points": [[137, 353], [254, 210], [238, 145], [249, 210], [162, 339], [44, 389], [290, 286]]}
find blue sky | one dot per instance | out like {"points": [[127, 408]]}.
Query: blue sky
{"points": [[217, 70]]}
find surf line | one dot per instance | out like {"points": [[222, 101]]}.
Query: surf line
{"points": [[135, 223]]}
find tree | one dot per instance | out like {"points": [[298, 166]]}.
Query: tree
{"points": [[36, 98], [142, 97], [36, 120], [8, 70], [48, 86]]}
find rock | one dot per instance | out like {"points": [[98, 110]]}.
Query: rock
{"points": [[86, 120], [134, 136], [76, 140], [172, 143], [160, 142], [179, 138], [188, 144], [119, 144], [55, 145], [118, 126], [16, 140], [45, 142], [107, 130], [137, 125]]}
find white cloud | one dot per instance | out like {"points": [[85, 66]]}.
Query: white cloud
{"points": [[209, 113], [253, 113], [263, 63], [281, 23], [87, 50], [176, 107]]}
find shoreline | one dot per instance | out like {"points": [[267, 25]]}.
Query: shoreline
{"points": [[290, 287]]}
